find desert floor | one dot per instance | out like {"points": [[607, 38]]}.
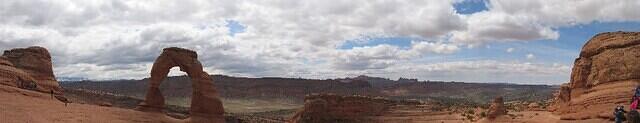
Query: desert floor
{"points": [[18, 106]]}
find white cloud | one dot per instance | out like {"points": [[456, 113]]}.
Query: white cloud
{"points": [[510, 50], [474, 71], [490, 27], [509, 20], [383, 56], [430, 47], [119, 39], [488, 71], [530, 56]]}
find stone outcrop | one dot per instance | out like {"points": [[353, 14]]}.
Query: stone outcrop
{"points": [[534, 107], [604, 75], [320, 108], [497, 108], [28, 68], [206, 107], [328, 108]]}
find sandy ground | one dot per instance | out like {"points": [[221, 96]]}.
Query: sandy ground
{"points": [[525, 117], [537, 117], [19, 106]]}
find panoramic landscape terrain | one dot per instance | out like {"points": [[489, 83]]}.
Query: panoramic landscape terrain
{"points": [[291, 61]]}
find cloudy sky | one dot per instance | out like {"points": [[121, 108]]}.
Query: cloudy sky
{"points": [[515, 41]]}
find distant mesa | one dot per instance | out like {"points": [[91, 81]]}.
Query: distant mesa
{"points": [[206, 106], [28, 68], [603, 76]]}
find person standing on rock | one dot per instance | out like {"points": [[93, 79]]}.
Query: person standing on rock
{"points": [[619, 112], [635, 99], [633, 117]]}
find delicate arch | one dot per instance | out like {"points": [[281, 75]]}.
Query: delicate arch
{"points": [[205, 104]]}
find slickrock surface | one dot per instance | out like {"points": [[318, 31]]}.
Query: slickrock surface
{"points": [[206, 106], [23, 106], [604, 75], [28, 68]]}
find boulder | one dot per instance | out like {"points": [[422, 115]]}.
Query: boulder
{"points": [[603, 76], [497, 108], [206, 106], [28, 68], [105, 104], [534, 106]]}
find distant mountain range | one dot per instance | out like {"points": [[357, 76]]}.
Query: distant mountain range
{"points": [[296, 88], [71, 79]]}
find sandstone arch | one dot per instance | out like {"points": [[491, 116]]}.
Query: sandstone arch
{"points": [[205, 104]]}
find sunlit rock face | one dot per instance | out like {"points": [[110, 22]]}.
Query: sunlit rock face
{"points": [[603, 76]]}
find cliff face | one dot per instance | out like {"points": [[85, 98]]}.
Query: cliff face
{"points": [[604, 75], [29, 68]]}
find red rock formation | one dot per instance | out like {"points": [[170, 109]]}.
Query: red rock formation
{"points": [[28, 68], [563, 95], [11, 76], [331, 108], [603, 76], [497, 108], [327, 108], [206, 107]]}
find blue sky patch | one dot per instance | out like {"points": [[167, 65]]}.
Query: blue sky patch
{"points": [[470, 6], [235, 27]]}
